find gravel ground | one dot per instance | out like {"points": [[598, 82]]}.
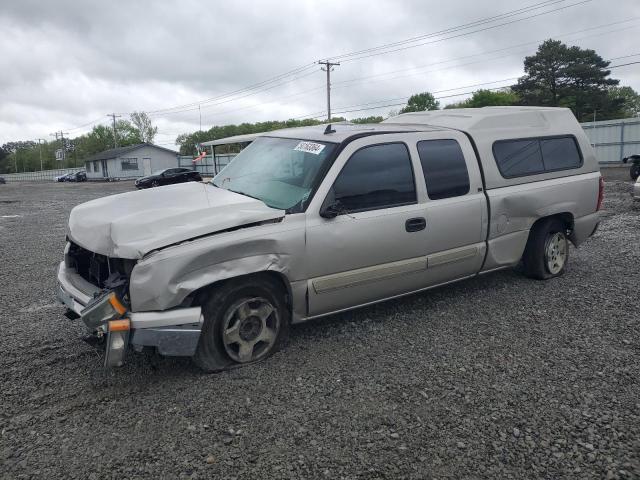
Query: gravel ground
{"points": [[495, 377]]}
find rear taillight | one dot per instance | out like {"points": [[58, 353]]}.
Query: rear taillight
{"points": [[600, 193]]}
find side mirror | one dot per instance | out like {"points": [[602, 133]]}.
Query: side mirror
{"points": [[331, 211]]}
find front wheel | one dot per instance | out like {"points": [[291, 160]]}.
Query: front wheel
{"points": [[245, 321], [634, 172], [155, 183], [547, 252]]}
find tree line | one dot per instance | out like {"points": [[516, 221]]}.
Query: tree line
{"points": [[28, 156], [557, 75]]}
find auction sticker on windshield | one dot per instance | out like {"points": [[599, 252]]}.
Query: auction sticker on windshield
{"points": [[310, 147]]}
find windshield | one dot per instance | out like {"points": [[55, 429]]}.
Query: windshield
{"points": [[281, 172]]}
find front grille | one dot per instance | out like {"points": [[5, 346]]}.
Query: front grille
{"points": [[94, 267]]}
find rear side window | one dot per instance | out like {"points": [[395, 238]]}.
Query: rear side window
{"points": [[560, 153], [376, 177], [444, 168], [518, 158]]}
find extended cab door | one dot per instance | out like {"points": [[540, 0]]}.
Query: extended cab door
{"points": [[374, 247], [388, 237], [455, 206]]}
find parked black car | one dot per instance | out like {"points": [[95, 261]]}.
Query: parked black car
{"points": [[168, 176], [634, 171], [80, 176], [77, 177]]}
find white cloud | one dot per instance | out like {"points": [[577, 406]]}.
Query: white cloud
{"points": [[67, 63]]}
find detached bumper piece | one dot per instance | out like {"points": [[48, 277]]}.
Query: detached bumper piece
{"points": [[104, 315], [117, 342], [102, 309]]}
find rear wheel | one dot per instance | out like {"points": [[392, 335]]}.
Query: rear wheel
{"points": [[245, 321], [634, 172], [547, 252]]}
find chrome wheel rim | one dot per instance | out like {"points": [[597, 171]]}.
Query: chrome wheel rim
{"points": [[556, 252], [250, 329], [155, 183]]}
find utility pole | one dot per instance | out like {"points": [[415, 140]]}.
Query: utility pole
{"points": [[200, 113], [40, 147], [115, 136], [328, 66], [63, 147]]}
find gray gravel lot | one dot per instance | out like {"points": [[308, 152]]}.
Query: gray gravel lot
{"points": [[495, 377]]}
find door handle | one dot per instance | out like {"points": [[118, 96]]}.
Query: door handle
{"points": [[415, 224]]}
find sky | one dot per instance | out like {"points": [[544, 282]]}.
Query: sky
{"points": [[65, 64]]}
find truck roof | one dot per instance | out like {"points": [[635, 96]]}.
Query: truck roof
{"points": [[345, 130], [507, 119]]}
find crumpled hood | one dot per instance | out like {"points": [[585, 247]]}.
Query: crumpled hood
{"points": [[130, 225]]}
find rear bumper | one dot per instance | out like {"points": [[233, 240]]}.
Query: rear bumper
{"points": [[173, 332]]}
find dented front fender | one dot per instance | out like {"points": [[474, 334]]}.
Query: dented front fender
{"points": [[165, 278]]}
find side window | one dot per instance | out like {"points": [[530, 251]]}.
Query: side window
{"points": [[444, 168], [517, 158], [560, 153], [376, 177]]}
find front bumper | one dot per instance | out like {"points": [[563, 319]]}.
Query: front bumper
{"points": [[173, 332]]}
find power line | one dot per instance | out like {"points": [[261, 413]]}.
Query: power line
{"points": [[466, 33], [303, 68], [233, 99], [235, 92], [491, 52], [623, 65], [358, 79], [449, 30]]}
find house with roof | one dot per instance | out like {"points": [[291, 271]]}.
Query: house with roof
{"points": [[130, 162]]}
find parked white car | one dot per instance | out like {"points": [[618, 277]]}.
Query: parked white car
{"points": [[312, 221]]}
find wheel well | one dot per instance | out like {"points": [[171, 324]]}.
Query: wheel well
{"points": [[197, 297], [564, 217]]}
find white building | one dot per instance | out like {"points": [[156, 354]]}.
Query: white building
{"points": [[130, 162]]}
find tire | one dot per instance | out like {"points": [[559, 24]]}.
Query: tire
{"points": [[547, 252], [239, 327], [155, 183], [634, 172]]}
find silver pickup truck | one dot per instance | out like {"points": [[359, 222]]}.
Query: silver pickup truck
{"points": [[312, 221]]}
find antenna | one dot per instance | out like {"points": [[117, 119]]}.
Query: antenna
{"points": [[329, 130]]}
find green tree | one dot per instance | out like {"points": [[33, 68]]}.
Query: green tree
{"points": [[562, 76], [145, 129], [421, 102], [629, 99], [188, 141], [372, 119], [488, 98]]}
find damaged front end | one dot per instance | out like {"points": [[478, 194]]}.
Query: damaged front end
{"points": [[104, 315], [96, 289]]}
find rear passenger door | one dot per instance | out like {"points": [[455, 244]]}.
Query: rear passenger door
{"points": [[455, 206]]}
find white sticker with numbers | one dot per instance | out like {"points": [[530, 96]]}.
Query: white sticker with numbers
{"points": [[310, 147]]}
